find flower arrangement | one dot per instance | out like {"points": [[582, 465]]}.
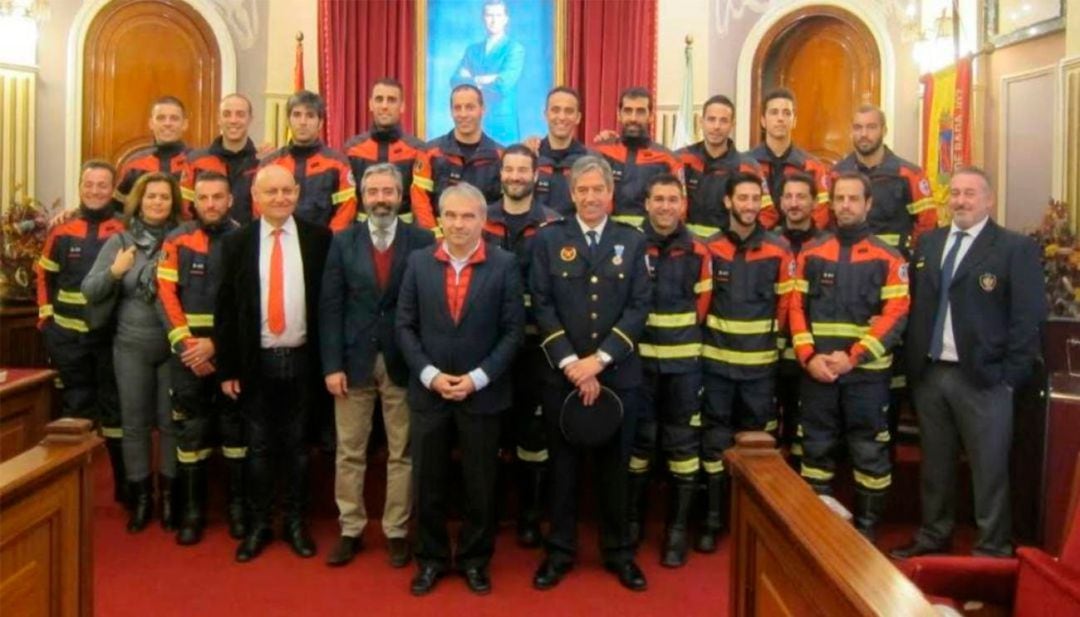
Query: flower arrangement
{"points": [[23, 227], [1061, 261]]}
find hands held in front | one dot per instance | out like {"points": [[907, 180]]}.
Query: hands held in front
{"points": [[197, 356], [582, 373], [827, 368], [453, 387], [337, 384]]}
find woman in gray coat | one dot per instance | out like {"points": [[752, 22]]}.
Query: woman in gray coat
{"points": [[126, 266]]}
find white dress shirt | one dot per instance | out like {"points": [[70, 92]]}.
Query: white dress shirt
{"points": [[948, 341], [391, 232], [295, 333]]}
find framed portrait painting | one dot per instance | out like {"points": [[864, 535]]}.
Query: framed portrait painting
{"points": [[512, 50]]}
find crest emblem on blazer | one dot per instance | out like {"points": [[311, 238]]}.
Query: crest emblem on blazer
{"points": [[987, 281], [568, 253]]}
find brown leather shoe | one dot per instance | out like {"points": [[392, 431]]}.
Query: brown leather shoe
{"points": [[400, 552], [346, 548]]}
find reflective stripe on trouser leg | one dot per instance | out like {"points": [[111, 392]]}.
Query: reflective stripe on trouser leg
{"points": [[716, 421], [866, 416], [192, 399], [680, 421], [819, 424]]}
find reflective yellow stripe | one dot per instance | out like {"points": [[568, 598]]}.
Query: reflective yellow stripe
{"points": [[927, 203], [526, 299], [343, 195], [872, 482], [878, 365], [425, 183], [703, 286], [746, 358], [686, 467], [186, 193], [894, 291], [766, 201], [77, 325], [45, 310], [406, 217], [781, 342], [71, 297], [695, 420], [785, 287], [823, 198], [638, 465], [552, 337], [437, 231], [630, 219], [167, 274], [200, 320], [771, 425], [803, 338], [838, 329], [186, 456], [788, 354], [890, 239], [713, 466], [531, 457], [48, 264], [178, 415], [234, 453], [112, 432], [801, 285], [798, 431], [702, 231], [624, 337], [883, 437], [796, 449], [178, 334], [814, 473], [671, 320], [897, 382], [738, 326], [669, 352], [873, 345]]}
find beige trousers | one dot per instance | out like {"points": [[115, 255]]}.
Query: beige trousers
{"points": [[353, 416]]}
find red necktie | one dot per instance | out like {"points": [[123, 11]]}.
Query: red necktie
{"points": [[276, 302]]}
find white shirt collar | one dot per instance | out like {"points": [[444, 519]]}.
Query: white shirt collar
{"points": [[972, 232], [391, 231], [266, 229], [599, 229]]}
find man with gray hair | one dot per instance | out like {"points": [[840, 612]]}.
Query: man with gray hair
{"points": [[361, 359], [460, 321]]}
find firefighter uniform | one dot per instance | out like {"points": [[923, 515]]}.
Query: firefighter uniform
{"points": [[170, 158], [706, 184], [553, 175], [386, 145], [680, 269], [189, 275], [525, 425], [83, 357], [635, 161], [752, 285], [239, 167], [776, 168], [444, 164], [851, 295], [327, 187]]}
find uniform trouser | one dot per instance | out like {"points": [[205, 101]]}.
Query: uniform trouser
{"points": [[525, 422], [609, 480], [87, 378], [432, 439], [353, 416], [203, 417], [142, 378], [788, 379], [899, 390], [953, 412], [723, 395], [670, 405], [857, 411]]}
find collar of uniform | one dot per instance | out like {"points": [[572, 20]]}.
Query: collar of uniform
{"points": [[889, 163], [599, 229], [702, 151], [850, 235], [576, 147], [305, 150], [385, 134], [218, 148], [680, 238], [169, 149], [449, 145], [535, 215], [750, 242], [266, 230]]}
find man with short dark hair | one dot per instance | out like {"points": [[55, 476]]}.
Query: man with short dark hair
{"points": [[232, 154], [558, 150], [168, 154]]}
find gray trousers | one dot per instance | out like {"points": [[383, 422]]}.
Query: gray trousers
{"points": [[142, 378], [953, 412]]}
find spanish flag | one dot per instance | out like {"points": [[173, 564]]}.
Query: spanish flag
{"points": [[946, 125]]}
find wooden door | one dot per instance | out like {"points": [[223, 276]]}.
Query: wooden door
{"points": [[829, 59], [135, 52]]}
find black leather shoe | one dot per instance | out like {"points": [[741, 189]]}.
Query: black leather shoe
{"points": [[478, 581], [253, 544], [400, 552], [300, 540], [630, 575], [425, 580], [550, 573], [917, 548], [346, 548]]}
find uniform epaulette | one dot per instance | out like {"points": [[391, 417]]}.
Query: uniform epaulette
{"points": [[878, 242], [625, 224], [558, 221]]}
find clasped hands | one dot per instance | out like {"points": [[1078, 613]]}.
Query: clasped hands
{"points": [[827, 368], [197, 356], [453, 387], [582, 373]]}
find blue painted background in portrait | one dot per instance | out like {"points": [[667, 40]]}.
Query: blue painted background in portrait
{"points": [[456, 30]]}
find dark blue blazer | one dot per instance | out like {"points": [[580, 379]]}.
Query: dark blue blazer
{"points": [[356, 318], [487, 336], [998, 304]]}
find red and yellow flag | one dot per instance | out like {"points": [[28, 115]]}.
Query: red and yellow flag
{"points": [[946, 125]]}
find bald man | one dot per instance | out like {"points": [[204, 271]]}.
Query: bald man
{"points": [[265, 331]]}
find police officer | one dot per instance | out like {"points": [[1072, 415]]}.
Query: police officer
{"points": [[386, 142], [327, 186], [634, 157], [465, 154], [82, 356], [847, 314], [681, 271], [752, 270], [168, 154], [590, 295], [512, 224], [188, 277], [708, 166], [558, 150], [232, 154]]}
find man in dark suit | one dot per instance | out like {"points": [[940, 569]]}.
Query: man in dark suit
{"points": [[591, 296], [978, 303], [361, 359], [265, 333], [460, 322]]}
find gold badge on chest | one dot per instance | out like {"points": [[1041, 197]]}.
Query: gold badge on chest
{"points": [[568, 253]]}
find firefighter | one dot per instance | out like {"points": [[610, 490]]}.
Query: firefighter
{"points": [[752, 270], [188, 276], [327, 187], [82, 356], [848, 313], [512, 223], [558, 150], [670, 348], [168, 154], [232, 154]]}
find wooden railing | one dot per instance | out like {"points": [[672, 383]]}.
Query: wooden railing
{"points": [[791, 555]]}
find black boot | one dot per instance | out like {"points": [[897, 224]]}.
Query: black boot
{"points": [[116, 461], [869, 506], [236, 511], [716, 511], [635, 509], [677, 538], [191, 485], [142, 504], [531, 493], [168, 498]]}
